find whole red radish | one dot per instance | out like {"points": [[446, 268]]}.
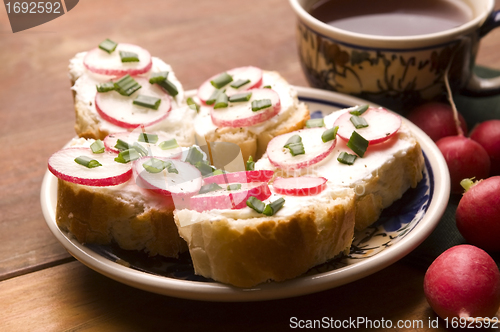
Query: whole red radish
{"points": [[487, 134], [463, 281], [465, 159], [478, 214], [436, 120]]}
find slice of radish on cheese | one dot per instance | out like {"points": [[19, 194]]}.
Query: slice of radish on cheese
{"points": [[299, 186]]}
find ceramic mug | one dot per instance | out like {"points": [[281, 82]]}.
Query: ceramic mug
{"points": [[397, 72]]}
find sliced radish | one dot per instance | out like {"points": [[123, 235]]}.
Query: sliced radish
{"points": [[251, 73], [300, 186], [233, 199], [315, 149], [240, 177], [120, 110], [133, 136], [63, 165], [103, 63], [382, 125], [186, 182], [240, 114]]}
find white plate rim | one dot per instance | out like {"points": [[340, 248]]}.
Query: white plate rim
{"points": [[213, 291]]}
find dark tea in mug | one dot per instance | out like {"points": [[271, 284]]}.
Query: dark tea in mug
{"points": [[392, 17]]}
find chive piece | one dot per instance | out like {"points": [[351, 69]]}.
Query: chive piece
{"points": [[105, 87], [329, 134], [236, 186], [147, 101], [127, 156], [148, 138], [140, 149], [213, 97], [194, 155], [171, 168], [240, 97], [274, 207], [209, 187], [296, 148], [108, 45], [258, 105], [154, 165], [204, 168], [158, 77], [293, 139], [266, 87], [221, 101], [346, 158], [359, 110], [358, 144], [169, 87], [97, 146], [314, 123], [168, 144], [126, 85], [129, 56], [122, 145], [217, 172], [221, 80], [250, 165], [256, 204], [358, 122], [239, 83], [87, 162], [192, 104]]}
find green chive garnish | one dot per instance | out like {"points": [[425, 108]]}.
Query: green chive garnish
{"points": [[359, 110], [87, 162], [358, 122], [204, 168], [314, 123], [266, 87], [293, 139], [236, 186], [194, 155], [209, 187], [127, 156], [168, 144], [221, 101], [256, 204], [97, 146], [126, 85], [129, 56], [217, 172], [239, 83], [122, 145], [221, 80], [148, 138], [105, 87], [329, 134], [240, 97], [250, 165], [346, 158], [154, 165], [169, 87], [358, 144], [192, 104], [147, 101], [171, 168], [213, 97], [274, 207], [108, 45], [158, 77], [296, 148], [258, 105], [140, 149]]}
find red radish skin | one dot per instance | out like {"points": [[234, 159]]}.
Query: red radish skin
{"points": [[300, 186], [488, 135], [463, 281], [436, 120], [240, 177], [465, 159], [478, 214]]}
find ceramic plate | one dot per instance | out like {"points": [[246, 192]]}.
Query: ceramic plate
{"points": [[400, 229]]}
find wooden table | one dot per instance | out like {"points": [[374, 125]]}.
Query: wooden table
{"points": [[42, 288]]}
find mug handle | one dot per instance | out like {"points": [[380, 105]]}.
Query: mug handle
{"points": [[478, 86]]}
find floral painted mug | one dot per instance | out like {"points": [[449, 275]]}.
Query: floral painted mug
{"points": [[399, 72]]}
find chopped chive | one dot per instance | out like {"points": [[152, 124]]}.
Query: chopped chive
{"points": [[148, 138], [346, 158], [193, 105], [209, 187], [158, 77], [221, 80], [171, 168], [296, 148], [256, 204], [108, 45], [235, 186], [329, 134], [126, 85], [217, 172], [314, 123], [97, 146], [194, 155], [250, 165], [87, 162], [239, 83], [274, 207], [359, 110], [240, 97], [204, 168], [358, 144], [147, 101], [154, 165], [258, 105], [221, 101], [127, 156], [129, 56], [358, 122], [168, 144], [266, 87], [105, 87], [122, 145], [213, 97], [140, 149], [169, 87], [293, 139]]}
